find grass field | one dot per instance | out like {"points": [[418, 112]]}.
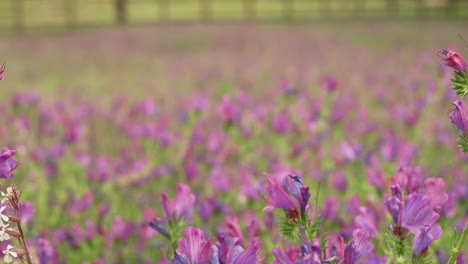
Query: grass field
{"points": [[107, 120]]}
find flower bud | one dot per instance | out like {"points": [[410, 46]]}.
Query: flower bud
{"points": [[13, 233], [13, 219], [453, 60]]}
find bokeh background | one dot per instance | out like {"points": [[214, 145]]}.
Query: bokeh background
{"points": [[110, 103]]}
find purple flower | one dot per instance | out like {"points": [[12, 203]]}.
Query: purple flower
{"points": [[2, 70], [459, 116], [46, 252], [335, 246], [236, 255], [277, 197], [193, 247], [182, 203], [232, 229], [281, 257], [366, 220], [329, 84], [27, 211], [293, 184], [394, 204], [120, 229], [417, 212], [7, 163], [424, 238], [227, 110], [358, 247], [434, 187]]}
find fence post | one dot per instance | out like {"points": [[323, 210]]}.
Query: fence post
{"points": [[121, 11], [288, 9], [163, 10], [70, 13], [205, 10], [17, 11], [250, 9]]}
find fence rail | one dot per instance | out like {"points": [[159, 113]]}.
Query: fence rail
{"points": [[32, 14]]}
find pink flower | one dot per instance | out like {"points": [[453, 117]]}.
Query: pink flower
{"points": [[2, 69], [453, 60], [7, 163], [182, 203], [194, 246]]}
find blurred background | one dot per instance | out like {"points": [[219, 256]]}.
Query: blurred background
{"points": [[17, 15], [109, 103]]}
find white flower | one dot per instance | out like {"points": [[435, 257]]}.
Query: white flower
{"points": [[4, 217], [5, 195], [9, 255], [3, 234]]}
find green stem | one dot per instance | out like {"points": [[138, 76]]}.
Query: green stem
{"points": [[457, 250]]}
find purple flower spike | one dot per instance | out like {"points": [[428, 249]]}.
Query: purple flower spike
{"points": [[182, 204], [417, 212], [277, 197], [7, 163], [294, 185], [434, 187], [394, 204], [2, 69], [425, 237], [194, 246], [459, 116]]}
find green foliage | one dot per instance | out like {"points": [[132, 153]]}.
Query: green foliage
{"points": [[463, 142], [421, 259], [460, 83], [399, 247], [291, 229]]}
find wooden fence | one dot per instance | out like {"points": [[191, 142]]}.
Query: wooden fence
{"points": [[33, 14]]}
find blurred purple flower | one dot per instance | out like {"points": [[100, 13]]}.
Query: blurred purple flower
{"points": [[7, 163], [434, 187], [232, 229], [120, 229], [366, 220], [277, 197], [335, 246], [46, 252], [459, 116], [27, 211], [182, 203], [330, 83], [2, 70], [339, 181]]}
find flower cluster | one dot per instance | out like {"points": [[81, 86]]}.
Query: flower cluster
{"points": [[11, 222]]}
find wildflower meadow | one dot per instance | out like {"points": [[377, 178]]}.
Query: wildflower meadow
{"points": [[236, 144]]}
